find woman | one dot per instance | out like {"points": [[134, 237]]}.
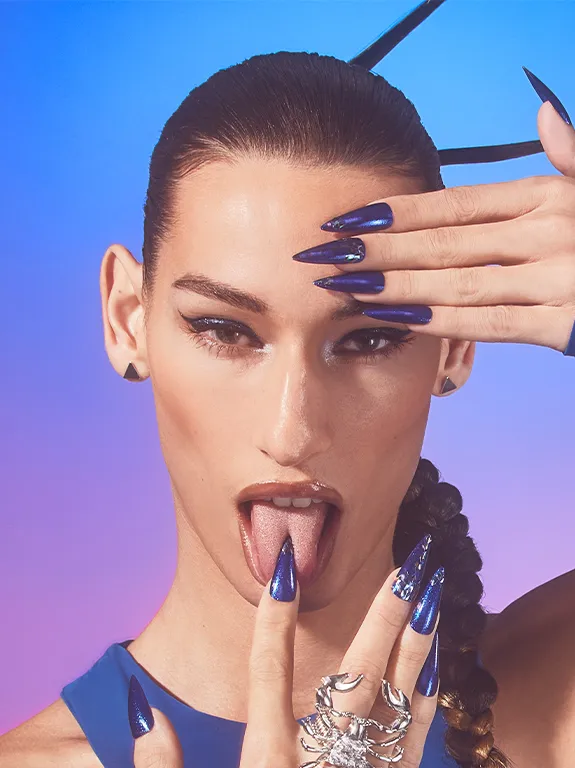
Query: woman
{"points": [[291, 417]]}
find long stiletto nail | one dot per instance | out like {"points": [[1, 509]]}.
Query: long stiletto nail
{"points": [[368, 218], [345, 251], [408, 580], [416, 314], [546, 94], [425, 612], [358, 282], [139, 711], [283, 585], [428, 679]]}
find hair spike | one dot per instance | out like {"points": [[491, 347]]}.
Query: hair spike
{"points": [[386, 42]]}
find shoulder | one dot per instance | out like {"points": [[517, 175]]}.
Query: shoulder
{"points": [[529, 650], [51, 739]]}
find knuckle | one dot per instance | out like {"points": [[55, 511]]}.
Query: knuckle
{"points": [[410, 659], [557, 187], [500, 320], [156, 757], [267, 666], [372, 674], [442, 243], [467, 284], [463, 204]]}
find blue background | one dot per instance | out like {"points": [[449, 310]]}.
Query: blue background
{"points": [[85, 501]]}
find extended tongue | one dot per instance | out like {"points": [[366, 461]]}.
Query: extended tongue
{"points": [[270, 526]]}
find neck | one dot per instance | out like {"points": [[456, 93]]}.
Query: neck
{"points": [[197, 646]]}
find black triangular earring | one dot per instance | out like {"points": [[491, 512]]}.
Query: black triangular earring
{"points": [[132, 374], [448, 386], [386, 42]]}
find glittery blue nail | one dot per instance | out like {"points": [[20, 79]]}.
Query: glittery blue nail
{"points": [[283, 585], [408, 580], [139, 711], [353, 282], [413, 314], [368, 218], [425, 612], [428, 680], [347, 250], [546, 94]]}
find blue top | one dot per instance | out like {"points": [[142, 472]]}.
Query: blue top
{"points": [[98, 700]]}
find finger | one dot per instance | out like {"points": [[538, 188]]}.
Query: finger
{"points": [[423, 710], [528, 284], [156, 742], [558, 139], [372, 645], [544, 326], [271, 667]]}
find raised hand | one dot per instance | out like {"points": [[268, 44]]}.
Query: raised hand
{"points": [[397, 642], [492, 262]]}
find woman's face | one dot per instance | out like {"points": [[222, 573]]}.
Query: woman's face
{"points": [[261, 377]]}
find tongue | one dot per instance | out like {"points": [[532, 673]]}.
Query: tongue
{"points": [[271, 525]]}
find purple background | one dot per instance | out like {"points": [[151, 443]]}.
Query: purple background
{"points": [[85, 501]]}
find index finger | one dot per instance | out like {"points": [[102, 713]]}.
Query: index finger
{"points": [[272, 652], [472, 204]]}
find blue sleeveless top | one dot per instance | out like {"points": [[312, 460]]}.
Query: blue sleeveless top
{"points": [[99, 702]]}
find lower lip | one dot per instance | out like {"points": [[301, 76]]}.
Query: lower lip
{"points": [[324, 549]]}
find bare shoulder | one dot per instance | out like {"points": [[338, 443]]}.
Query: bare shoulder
{"points": [[50, 739], [529, 650]]}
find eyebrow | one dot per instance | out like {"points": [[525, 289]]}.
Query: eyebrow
{"points": [[213, 289]]}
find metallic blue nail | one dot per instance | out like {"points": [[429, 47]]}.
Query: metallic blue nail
{"points": [[283, 585], [425, 612], [345, 251], [368, 218], [139, 711], [570, 348], [416, 314], [354, 282], [408, 580], [428, 680], [546, 94]]}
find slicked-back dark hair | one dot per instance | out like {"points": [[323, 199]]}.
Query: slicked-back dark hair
{"points": [[315, 111]]}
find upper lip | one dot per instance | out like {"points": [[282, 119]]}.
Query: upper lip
{"points": [[303, 490]]}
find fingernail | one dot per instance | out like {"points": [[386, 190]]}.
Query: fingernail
{"points": [[428, 679], [425, 612], [546, 94], [369, 218], [283, 584], [139, 711], [401, 313], [358, 282], [408, 580], [344, 251]]}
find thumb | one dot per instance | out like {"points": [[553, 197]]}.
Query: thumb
{"points": [[156, 742], [558, 139]]}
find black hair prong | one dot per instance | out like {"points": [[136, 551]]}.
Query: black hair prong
{"points": [[392, 36], [489, 154]]}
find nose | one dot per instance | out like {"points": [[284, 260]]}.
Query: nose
{"points": [[294, 420]]}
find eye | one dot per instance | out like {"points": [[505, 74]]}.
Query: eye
{"points": [[372, 342], [222, 336]]}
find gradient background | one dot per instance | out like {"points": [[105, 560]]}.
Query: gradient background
{"points": [[87, 544]]}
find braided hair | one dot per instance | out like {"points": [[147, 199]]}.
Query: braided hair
{"points": [[467, 690]]}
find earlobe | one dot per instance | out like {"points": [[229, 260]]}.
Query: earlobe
{"points": [[456, 362], [123, 313]]}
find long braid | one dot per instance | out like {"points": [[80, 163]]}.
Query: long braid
{"points": [[467, 690]]}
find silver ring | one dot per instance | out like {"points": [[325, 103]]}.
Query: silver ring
{"points": [[352, 747]]}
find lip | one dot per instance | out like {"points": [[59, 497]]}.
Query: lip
{"points": [[315, 490], [302, 490]]}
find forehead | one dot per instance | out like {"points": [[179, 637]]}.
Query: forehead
{"points": [[245, 216]]}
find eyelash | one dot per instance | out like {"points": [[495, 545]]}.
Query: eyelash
{"points": [[197, 327]]}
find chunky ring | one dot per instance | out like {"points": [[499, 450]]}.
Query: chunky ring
{"points": [[570, 349], [351, 748]]}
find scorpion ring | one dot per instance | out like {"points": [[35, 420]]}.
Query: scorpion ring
{"points": [[351, 748]]}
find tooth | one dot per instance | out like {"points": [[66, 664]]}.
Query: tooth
{"points": [[317, 501], [281, 501], [301, 503]]}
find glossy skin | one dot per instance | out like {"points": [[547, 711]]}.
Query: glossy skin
{"points": [[242, 224]]}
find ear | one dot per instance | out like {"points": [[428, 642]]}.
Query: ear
{"points": [[123, 310], [456, 361]]}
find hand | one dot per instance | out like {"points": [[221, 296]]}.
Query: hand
{"points": [[386, 645], [493, 262]]}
